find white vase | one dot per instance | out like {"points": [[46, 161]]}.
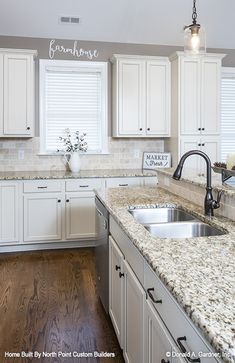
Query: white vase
{"points": [[73, 160]]}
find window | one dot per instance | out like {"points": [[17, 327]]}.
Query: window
{"points": [[227, 112], [73, 94]]}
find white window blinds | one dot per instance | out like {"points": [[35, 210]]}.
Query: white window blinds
{"points": [[74, 98], [227, 113]]}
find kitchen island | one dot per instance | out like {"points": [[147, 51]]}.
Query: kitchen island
{"points": [[198, 272]]}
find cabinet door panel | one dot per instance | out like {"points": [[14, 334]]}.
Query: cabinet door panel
{"points": [[1, 93], [42, 217], [116, 289], [18, 94], [190, 96], [134, 299], [158, 100], [187, 144], [80, 215], [9, 213], [157, 340], [210, 96], [131, 97]]}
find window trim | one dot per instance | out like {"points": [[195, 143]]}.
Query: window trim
{"points": [[101, 67]]}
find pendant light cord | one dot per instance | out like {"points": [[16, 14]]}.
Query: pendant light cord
{"points": [[194, 14]]}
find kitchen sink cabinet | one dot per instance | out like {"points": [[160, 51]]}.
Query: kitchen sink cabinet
{"points": [[9, 212], [116, 289], [141, 96], [154, 323], [17, 93], [43, 217]]}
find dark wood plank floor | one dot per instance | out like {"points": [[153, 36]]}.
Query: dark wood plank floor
{"points": [[48, 302]]}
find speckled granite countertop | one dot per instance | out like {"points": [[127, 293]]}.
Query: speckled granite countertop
{"points": [[199, 272], [62, 174], [191, 176]]}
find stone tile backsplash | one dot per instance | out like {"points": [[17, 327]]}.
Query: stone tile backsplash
{"points": [[122, 155]]}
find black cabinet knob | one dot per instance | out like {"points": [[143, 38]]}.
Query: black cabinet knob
{"points": [[203, 129], [59, 200], [67, 200], [28, 128], [203, 144], [164, 361], [141, 129], [199, 144], [121, 274], [199, 128], [148, 129], [117, 268]]}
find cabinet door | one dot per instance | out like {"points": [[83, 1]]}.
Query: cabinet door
{"points": [[1, 93], [158, 98], [187, 144], [189, 96], [210, 146], [80, 215], [42, 217], [210, 96], [116, 286], [134, 300], [131, 97], [9, 212], [18, 95], [157, 344]]}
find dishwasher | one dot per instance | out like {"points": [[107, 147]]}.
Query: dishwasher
{"points": [[102, 252]]}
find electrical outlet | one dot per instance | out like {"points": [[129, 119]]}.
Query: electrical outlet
{"points": [[20, 154], [136, 153]]}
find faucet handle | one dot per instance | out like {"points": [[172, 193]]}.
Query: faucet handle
{"points": [[216, 203]]}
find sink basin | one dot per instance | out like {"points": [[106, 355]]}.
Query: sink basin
{"points": [[160, 215], [183, 230]]}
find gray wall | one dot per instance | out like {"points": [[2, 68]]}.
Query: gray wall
{"points": [[105, 49]]}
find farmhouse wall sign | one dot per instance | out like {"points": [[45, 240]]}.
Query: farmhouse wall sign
{"points": [[75, 50]]}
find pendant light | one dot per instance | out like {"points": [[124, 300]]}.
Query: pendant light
{"points": [[194, 36]]}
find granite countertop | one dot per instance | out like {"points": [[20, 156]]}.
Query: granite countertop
{"points": [[199, 272], [63, 174], [191, 176]]}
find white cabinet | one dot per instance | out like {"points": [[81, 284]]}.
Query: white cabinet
{"points": [[134, 300], [158, 344], [116, 289], [141, 96], [208, 144], [17, 93], [195, 105], [80, 215], [9, 212], [43, 217]]}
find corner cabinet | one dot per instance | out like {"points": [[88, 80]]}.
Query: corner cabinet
{"points": [[17, 93], [141, 96]]}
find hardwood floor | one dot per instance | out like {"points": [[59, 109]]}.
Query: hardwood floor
{"points": [[48, 303]]}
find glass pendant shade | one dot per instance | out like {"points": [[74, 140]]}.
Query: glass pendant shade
{"points": [[194, 40]]}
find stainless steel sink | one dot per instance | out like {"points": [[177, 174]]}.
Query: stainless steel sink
{"points": [[160, 215], [183, 230]]}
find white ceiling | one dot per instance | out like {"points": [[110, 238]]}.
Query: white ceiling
{"points": [[126, 21]]}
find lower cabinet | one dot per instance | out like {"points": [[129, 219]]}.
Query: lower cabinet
{"points": [[80, 215], [43, 217], [158, 344], [134, 300], [9, 212], [150, 325]]}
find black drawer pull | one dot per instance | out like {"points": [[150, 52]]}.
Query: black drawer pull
{"points": [[117, 268], [164, 361], [149, 291], [42, 187], [83, 186], [123, 185], [121, 274], [183, 350]]}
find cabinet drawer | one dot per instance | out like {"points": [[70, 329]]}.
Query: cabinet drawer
{"points": [[174, 317], [43, 186], [80, 185], [123, 182]]}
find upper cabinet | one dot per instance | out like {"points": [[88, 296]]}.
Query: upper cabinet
{"points": [[198, 93], [17, 93], [141, 96]]}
